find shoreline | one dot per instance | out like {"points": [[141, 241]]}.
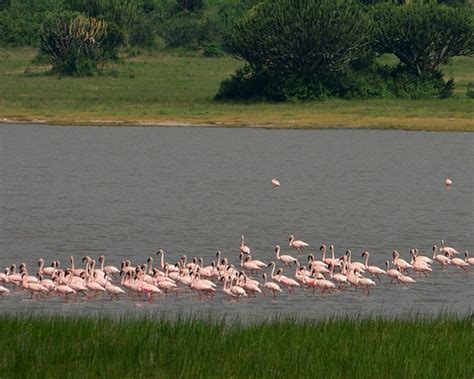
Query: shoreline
{"points": [[110, 122]]}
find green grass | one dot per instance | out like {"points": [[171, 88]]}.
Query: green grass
{"points": [[47, 346], [153, 89]]}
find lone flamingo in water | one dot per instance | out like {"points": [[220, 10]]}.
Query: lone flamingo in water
{"points": [[275, 183]]}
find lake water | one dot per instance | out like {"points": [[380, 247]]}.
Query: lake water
{"points": [[127, 191]]}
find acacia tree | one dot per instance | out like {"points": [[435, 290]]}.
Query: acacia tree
{"points": [[423, 36], [301, 36]]}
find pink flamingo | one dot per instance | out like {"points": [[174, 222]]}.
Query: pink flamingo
{"points": [[323, 284], [33, 288], [391, 272], [275, 183], [288, 282], [374, 270], [297, 244], [4, 291], [244, 249], [420, 266], [249, 265], [45, 270], [405, 279], [468, 260], [272, 286], [448, 249], [420, 258], [109, 270], [352, 265], [204, 287], [287, 259], [339, 278], [458, 262], [441, 259], [402, 264]]}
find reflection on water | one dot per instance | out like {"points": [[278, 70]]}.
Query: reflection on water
{"points": [[125, 192]]}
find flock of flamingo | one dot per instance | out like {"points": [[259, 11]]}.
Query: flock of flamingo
{"points": [[249, 278]]}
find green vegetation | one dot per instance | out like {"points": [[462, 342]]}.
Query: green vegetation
{"points": [[77, 44], [152, 89], [46, 346], [314, 49]]}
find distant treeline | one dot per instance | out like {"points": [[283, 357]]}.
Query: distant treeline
{"points": [[203, 25]]}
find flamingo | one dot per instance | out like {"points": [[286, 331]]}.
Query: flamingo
{"points": [[339, 278], [233, 290], [287, 259], [420, 266], [391, 272], [248, 264], [288, 282], [63, 289], [448, 182], [374, 270], [297, 244], [275, 183], [250, 286], [4, 291], [420, 258], [402, 264], [448, 249], [203, 286], [113, 290], [46, 271], [468, 260], [458, 262], [323, 284], [172, 268], [75, 271], [365, 283], [272, 286], [441, 259], [352, 265], [109, 270], [244, 249], [33, 288], [405, 279]]}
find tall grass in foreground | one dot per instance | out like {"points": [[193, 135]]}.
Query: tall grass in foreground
{"points": [[48, 346]]}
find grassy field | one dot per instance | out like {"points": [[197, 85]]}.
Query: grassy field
{"points": [[52, 347], [154, 89]]}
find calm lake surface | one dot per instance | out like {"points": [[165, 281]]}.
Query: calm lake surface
{"points": [[127, 191]]}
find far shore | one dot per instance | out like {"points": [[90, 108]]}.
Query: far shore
{"points": [[426, 124], [169, 90]]}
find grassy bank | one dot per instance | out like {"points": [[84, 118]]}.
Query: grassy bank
{"points": [[86, 347], [170, 89]]}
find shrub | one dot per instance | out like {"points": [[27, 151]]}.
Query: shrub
{"points": [[406, 84], [470, 90], [423, 36], [185, 30], [301, 36], [77, 44], [189, 5]]}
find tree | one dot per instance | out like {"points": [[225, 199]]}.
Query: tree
{"points": [[77, 44], [423, 36], [301, 36]]}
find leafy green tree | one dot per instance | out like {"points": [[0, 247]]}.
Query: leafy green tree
{"points": [[423, 36], [301, 36]]}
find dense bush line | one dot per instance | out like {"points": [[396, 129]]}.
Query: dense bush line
{"points": [[313, 49], [294, 49]]}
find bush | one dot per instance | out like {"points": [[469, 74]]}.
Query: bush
{"points": [[470, 90], [77, 44], [406, 84], [185, 30], [189, 5], [247, 84], [423, 36], [301, 36]]}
